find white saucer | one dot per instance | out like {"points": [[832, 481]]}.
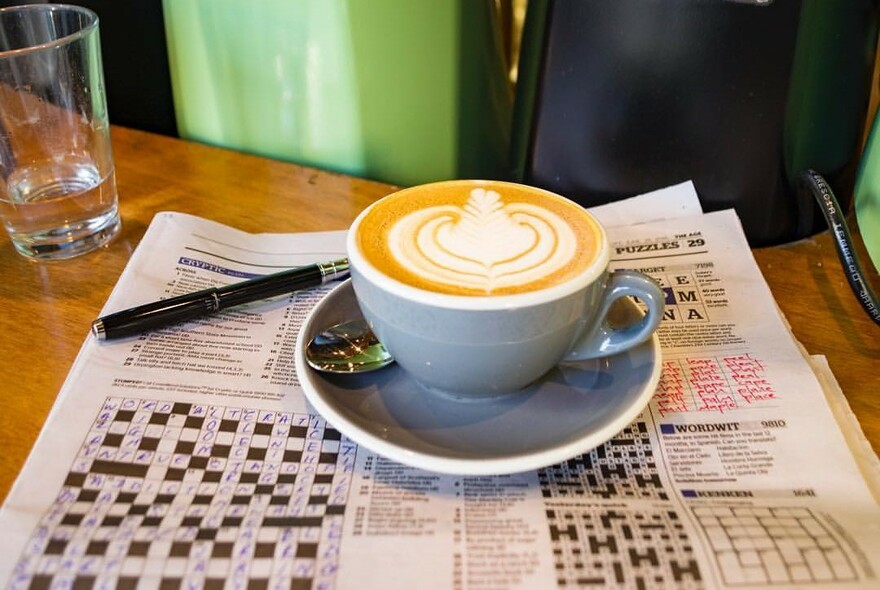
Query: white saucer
{"points": [[571, 410]]}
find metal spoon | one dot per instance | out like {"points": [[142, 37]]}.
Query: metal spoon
{"points": [[350, 347]]}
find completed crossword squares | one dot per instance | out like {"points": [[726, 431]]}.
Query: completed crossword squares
{"points": [[203, 494]]}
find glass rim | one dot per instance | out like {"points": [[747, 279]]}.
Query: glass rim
{"points": [[90, 25]]}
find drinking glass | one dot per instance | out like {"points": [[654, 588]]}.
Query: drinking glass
{"points": [[58, 194]]}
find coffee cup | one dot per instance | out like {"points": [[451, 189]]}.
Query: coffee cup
{"points": [[479, 288]]}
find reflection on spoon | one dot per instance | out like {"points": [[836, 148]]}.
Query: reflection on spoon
{"points": [[350, 347]]}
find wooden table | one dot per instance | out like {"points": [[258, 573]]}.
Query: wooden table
{"points": [[48, 307]]}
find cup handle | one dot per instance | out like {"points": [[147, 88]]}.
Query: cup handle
{"points": [[601, 339]]}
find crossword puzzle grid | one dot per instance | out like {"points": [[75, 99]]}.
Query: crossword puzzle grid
{"points": [[199, 495], [611, 547], [773, 545], [684, 303], [623, 467], [622, 548]]}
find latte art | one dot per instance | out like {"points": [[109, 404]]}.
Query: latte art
{"points": [[478, 238], [484, 245]]}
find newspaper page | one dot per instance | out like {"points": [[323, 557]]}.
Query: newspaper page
{"points": [[188, 457]]}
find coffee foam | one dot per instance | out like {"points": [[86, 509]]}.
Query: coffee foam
{"points": [[469, 239]]}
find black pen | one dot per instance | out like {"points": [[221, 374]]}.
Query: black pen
{"points": [[166, 312]]}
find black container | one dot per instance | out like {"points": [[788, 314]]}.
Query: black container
{"points": [[619, 97]]}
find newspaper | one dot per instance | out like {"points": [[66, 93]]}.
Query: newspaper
{"points": [[189, 456]]}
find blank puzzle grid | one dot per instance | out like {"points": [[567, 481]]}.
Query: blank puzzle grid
{"points": [[774, 545], [200, 495]]}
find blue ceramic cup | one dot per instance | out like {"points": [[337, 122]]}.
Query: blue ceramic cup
{"points": [[478, 288]]}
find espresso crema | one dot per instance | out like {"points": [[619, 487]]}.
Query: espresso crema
{"points": [[478, 239]]}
